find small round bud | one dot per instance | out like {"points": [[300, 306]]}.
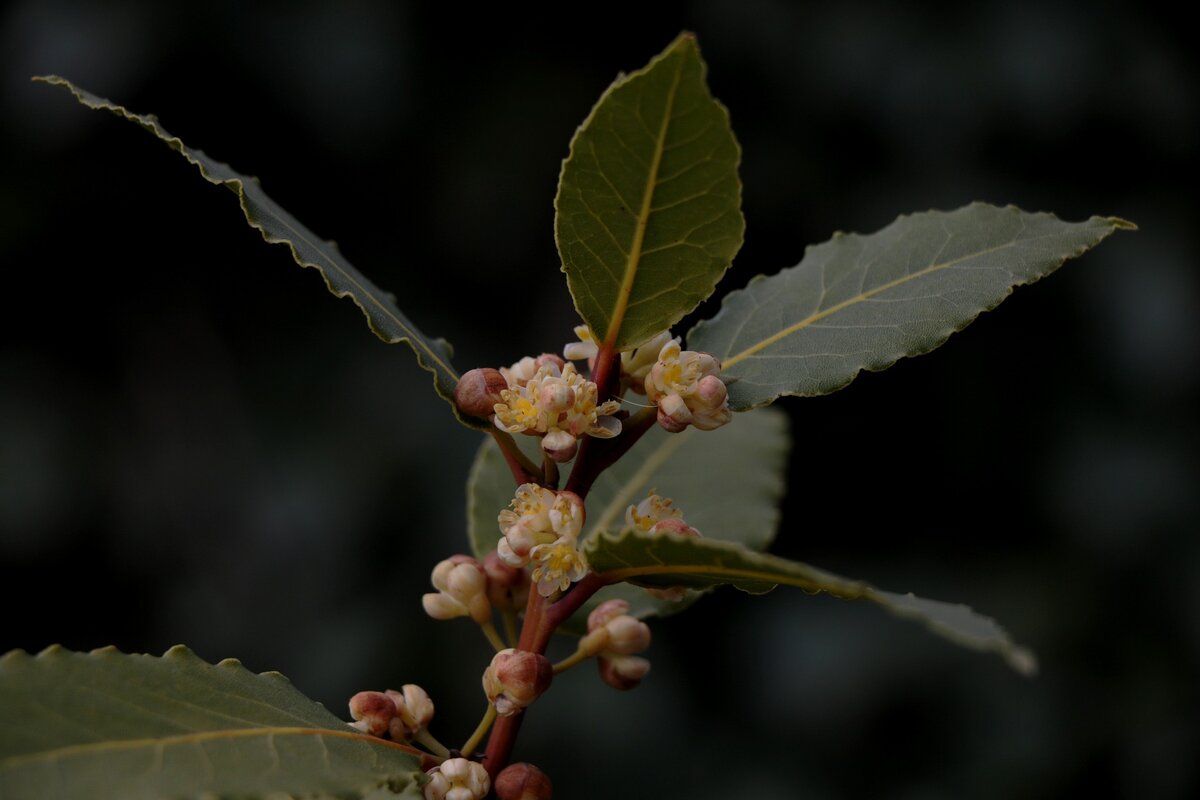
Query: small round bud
{"points": [[623, 672], [414, 711], [516, 678], [560, 445], [523, 782], [478, 391], [372, 712], [674, 525], [457, 779]]}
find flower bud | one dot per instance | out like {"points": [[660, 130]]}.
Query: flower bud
{"points": [[623, 672], [516, 678], [507, 586], [560, 445], [457, 779], [414, 711], [462, 591], [372, 712], [478, 391], [523, 782]]}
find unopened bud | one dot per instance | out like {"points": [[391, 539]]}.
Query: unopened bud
{"points": [[550, 358], [372, 712], [414, 711], [560, 445], [523, 782], [516, 678], [457, 779], [462, 591], [507, 586], [623, 672], [478, 391]]}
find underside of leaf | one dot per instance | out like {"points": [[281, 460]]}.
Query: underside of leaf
{"points": [[277, 226], [665, 559]]}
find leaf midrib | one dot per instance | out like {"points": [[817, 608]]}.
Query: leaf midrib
{"points": [[848, 591], [625, 291], [90, 748], [867, 295]]}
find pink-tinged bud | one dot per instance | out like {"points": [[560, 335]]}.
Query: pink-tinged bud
{"points": [[627, 635], [478, 391], [623, 672], [516, 678], [372, 712], [457, 779], [608, 610], [550, 358], [673, 413], [508, 586], [560, 445], [523, 782], [674, 525], [555, 397], [414, 711], [462, 590]]}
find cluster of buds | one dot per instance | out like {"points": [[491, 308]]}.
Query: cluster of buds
{"points": [[516, 678], [466, 588], [614, 636], [687, 388], [542, 528], [400, 715], [457, 779], [635, 363]]}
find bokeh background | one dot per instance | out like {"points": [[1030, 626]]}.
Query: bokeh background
{"points": [[199, 444]]}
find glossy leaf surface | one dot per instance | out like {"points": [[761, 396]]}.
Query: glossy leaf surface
{"points": [[277, 226], [649, 202], [109, 725], [672, 560], [862, 302]]}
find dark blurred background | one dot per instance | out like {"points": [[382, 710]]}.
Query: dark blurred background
{"points": [[199, 444]]}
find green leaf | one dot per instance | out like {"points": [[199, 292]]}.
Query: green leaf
{"points": [[108, 725], [735, 498], [277, 226], [649, 202], [673, 560], [862, 302]]}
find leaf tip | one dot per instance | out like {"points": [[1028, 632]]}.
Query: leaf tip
{"points": [[1023, 661]]}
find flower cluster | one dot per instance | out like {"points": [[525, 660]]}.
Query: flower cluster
{"points": [[462, 586], [559, 405], [687, 388], [542, 528], [458, 779], [401, 715]]}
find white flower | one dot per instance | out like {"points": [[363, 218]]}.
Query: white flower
{"points": [[538, 516], [687, 388], [559, 402], [556, 566]]}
